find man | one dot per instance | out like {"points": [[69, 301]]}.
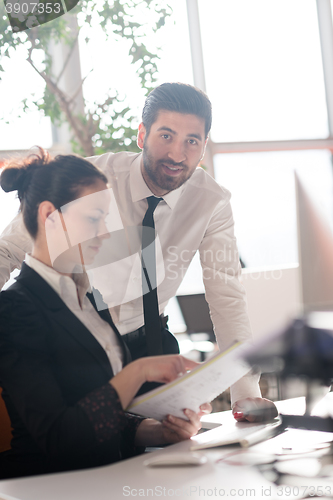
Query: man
{"points": [[192, 213]]}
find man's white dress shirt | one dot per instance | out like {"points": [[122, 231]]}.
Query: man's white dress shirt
{"points": [[73, 294], [196, 216]]}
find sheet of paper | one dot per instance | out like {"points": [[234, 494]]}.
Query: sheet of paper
{"points": [[201, 385], [244, 433]]}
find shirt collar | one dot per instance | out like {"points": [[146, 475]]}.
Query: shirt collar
{"points": [[79, 284], [140, 190]]}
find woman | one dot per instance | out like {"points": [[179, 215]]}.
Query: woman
{"points": [[61, 360]]}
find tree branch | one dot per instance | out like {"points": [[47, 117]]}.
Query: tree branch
{"points": [[65, 107], [79, 87], [68, 57]]}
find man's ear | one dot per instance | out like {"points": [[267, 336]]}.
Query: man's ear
{"points": [[45, 210], [204, 149], [141, 135]]}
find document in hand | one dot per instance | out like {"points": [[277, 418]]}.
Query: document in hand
{"points": [[200, 385]]}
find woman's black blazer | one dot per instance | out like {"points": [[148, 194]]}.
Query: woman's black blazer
{"points": [[54, 375]]}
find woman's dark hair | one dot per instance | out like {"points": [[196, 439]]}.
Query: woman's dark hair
{"points": [[178, 97], [40, 177]]}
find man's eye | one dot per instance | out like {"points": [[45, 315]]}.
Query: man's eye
{"points": [[192, 141], [93, 220], [166, 136]]}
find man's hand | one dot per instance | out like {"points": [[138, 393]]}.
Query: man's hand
{"points": [[254, 410]]}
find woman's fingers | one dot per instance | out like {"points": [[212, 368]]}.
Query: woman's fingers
{"points": [[184, 428], [205, 409], [189, 364], [166, 368]]}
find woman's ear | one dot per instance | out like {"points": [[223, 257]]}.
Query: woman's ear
{"points": [[45, 211]]}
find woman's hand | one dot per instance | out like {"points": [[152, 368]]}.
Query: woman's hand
{"points": [[177, 429], [165, 369], [205, 409], [172, 430], [151, 369]]}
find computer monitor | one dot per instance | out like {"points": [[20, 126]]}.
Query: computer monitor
{"points": [[315, 249], [196, 314]]}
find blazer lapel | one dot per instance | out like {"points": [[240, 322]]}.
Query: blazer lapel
{"points": [[106, 316], [56, 309]]}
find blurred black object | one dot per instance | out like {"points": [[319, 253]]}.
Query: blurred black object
{"points": [[304, 349], [301, 349]]}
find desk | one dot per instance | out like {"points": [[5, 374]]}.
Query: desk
{"points": [[126, 479]]}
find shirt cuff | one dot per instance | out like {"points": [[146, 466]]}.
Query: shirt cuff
{"points": [[245, 387], [129, 449]]}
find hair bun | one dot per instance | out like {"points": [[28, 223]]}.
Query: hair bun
{"points": [[17, 173], [13, 178]]}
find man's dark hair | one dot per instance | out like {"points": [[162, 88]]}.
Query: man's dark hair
{"points": [[178, 97]]}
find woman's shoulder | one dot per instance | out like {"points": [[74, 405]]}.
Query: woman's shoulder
{"points": [[14, 294], [18, 310]]}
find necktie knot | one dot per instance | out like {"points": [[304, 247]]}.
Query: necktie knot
{"points": [[153, 202], [148, 220]]}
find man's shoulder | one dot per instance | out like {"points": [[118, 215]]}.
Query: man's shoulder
{"points": [[208, 185], [111, 163]]}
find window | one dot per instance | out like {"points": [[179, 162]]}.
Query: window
{"points": [[263, 69], [263, 200], [19, 81]]}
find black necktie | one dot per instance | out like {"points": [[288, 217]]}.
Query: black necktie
{"points": [[149, 282]]}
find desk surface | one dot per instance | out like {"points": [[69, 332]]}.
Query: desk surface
{"points": [[216, 479]]}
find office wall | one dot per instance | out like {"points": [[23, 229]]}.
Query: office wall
{"points": [[273, 297]]}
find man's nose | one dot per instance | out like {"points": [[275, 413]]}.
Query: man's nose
{"points": [[177, 152]]}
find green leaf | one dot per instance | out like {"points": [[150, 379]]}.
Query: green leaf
{"points": [[106, 126]]}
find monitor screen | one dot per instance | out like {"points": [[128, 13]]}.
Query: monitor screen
{"points": [[315, 249], [196, 313]]}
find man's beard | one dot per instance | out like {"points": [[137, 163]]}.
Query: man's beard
{"points": [[154, 171]]}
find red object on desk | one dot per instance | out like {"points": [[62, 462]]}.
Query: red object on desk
{"points": [[238, 415]]}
